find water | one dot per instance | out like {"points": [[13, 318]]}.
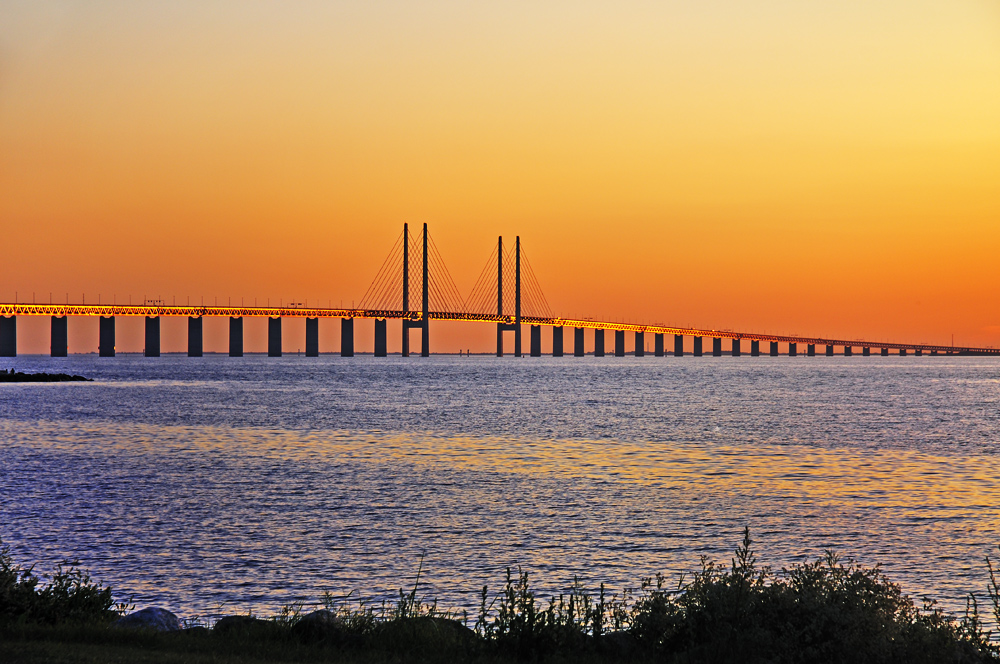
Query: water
{"points": [[219, 484]]}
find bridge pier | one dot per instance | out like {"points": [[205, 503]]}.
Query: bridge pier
{"points": [[793, 349], [598, 343], [848, 351], [774, 349], [106, 337], [902, 351], [754, 348], [716, 347], [557, 341], [578, 348], [274, 337], [658, 345], [196, 336], [735, 352], [59, 339], [640, 344], [347, 337], [697, 347], [619, 343], [312, 336], [678, 345], [918, 352], [865, 351], [884, 352], [829, 350], [8, 336], [811, 350], [536, 341], [235, 336], [152, 345], [381, 338]]}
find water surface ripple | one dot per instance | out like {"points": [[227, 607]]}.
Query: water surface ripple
{"points": [[216, 484]]}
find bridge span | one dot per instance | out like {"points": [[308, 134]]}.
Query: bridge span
{"points": [[438, 287]]}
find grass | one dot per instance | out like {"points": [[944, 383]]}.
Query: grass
{"points": [[825, 611]]}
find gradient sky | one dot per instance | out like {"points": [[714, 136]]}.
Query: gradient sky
{"points": [[822, 168]]}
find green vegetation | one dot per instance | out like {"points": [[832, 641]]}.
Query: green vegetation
{"points": [[825, 611]]}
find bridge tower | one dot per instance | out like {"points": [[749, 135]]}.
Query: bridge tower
{"points": [[516, 326], [424, 323]]}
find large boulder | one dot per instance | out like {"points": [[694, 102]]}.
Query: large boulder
{"points": [[152, 618], [425, 634], [244, 626], [320, 626]]}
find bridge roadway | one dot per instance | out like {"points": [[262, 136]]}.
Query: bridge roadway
{"points": [[235, 313]]}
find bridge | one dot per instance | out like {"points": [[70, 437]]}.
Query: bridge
{"points": [[424, 278]]}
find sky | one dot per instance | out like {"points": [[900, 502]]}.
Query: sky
{"points": [[797, 167]]}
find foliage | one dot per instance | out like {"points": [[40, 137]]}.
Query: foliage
{"points": [[70, 597]]}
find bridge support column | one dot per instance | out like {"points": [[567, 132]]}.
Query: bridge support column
{"points": [[347, 337], [716, 347], [829, 350], [884, 352], [934, 352], [381, 338], [59, 339], [598, 343], [755, 348], [866, 351], [557, 341], [678, 345], [774, 349], [312, 336], [274, 337], [8, 336], [640, 344], [918, 352], [619, 343], [902, 351], [578, 347], [811, 350], [152, 348], [235, 336], [697, 346], [536, 341], [848, 351], [736, 348], [658, 345], [106, 337], [196, 336], [793, 349]]}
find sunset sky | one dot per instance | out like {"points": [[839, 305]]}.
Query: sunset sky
{"points": [[805, 167]]}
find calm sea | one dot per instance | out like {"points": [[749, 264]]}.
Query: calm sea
{"points": [[220, 485]]}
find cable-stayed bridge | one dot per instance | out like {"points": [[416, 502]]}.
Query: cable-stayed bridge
{"points": [[414, 286]]}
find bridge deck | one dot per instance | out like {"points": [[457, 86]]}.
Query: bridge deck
{"points": [[307, 312]]}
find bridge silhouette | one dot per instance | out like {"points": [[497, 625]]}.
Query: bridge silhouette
{"points": [[414, 271]]}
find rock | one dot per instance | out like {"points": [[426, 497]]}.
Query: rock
{"points": [[425, 634], [153, 618], [244, 626], [322, 625]]}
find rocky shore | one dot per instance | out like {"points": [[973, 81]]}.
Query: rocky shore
{"points": [[11, 376]]}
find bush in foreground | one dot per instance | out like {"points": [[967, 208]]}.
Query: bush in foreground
{"points": [[70, 597]]}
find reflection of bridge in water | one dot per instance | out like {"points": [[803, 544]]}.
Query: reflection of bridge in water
{"points": [[521, 298]]}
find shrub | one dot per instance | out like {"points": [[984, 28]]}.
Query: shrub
{"points": [[70, 597]]}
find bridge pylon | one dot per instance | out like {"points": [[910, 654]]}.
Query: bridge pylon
{"points": [[514, 327], [424, 323]]}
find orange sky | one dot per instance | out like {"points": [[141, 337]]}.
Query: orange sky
{"points": [[823, 168]]}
